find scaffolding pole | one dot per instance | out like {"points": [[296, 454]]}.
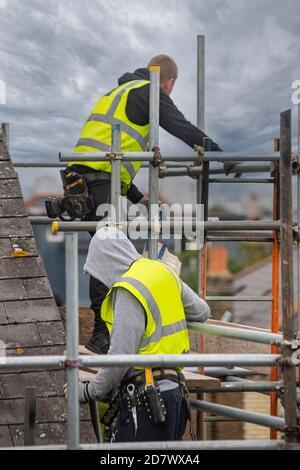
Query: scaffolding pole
{"points": [[153, 233], [72, 327], [201, 175], [171, 445], [275, 291], [221, 157], [298, 219], [236, 333], [116, 174], [289, 373], [209, 226], [240, 415], [141, 360]]}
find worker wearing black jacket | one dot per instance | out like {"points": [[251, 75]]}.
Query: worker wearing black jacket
{"points": [[132, 94]]}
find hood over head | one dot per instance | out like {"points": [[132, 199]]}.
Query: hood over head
{"points": [[139, 74], [110, 255]]}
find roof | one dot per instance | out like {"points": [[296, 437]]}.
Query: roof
{"points": [[29, 323], [256, 280]]}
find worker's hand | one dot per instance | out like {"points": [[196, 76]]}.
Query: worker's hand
{"points": [[82, 392]]}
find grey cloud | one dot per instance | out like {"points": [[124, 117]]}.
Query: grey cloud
{"points": [[58, 57]]}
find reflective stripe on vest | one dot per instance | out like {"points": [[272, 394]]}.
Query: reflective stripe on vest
{"points": [[158, 289], [96, 134]]}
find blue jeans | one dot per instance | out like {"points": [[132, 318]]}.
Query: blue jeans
{"points": [[171, 430]]}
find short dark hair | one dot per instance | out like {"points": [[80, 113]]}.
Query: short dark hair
{"points": [[168, 67]]}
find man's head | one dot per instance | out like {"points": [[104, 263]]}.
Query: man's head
{"points": [[110, 255], [168, 71]]}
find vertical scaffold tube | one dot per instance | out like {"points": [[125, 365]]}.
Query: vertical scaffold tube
{"points": [[153, 166], [72, 327], [287, 290]]}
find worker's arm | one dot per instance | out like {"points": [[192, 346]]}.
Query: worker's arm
{"points": [[127, 332], [170, 118], [195, 308], [174, 122], [134, 194]]}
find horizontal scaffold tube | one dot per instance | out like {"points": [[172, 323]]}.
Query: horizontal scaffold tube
{"points": [[236, 372], [159, 360], [240, 415], [149, 156], [193, 171], [142, 224], [245, 386], [169, 445], [263, 337]]}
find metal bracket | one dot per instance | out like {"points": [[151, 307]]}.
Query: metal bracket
{"points": [[156, 156], [293, 344], [114, 156], [200, 155], [71, 363], [296, 357]]}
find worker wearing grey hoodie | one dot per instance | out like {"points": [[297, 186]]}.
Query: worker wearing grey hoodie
{"points": [[145, 311]]}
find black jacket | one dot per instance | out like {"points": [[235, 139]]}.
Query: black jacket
{"points": [[170, 118]]}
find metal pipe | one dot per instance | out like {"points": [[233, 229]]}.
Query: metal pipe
{"points": [[238, 298], [278, 386], [38, 165], [157, 360], [194, 171], [201, 82], [274, 375], [72, 327], [94, 413], [236, 333], [246, 386], [232, 238], [153, 232], [149, 156], [298, 218], [209, 226], [201, 271], [220, 372], [116, 174], [289, 373], [241, 180], [168, 445], [232, 372], [240, 415]]}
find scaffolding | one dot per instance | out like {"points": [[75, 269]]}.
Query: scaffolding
{"points": [[281, 232]]}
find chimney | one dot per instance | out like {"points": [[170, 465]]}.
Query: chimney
{"points": [[219, 280], [254, 209], [218, 261]]}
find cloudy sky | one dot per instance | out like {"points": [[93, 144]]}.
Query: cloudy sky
{"points": [[57, 57]]}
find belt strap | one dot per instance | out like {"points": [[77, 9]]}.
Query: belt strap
{"points": [[158, 374], [99, 176]]}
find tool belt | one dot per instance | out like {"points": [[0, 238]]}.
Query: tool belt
{"points": [[135, 393], [89, 174], [138, 377]]}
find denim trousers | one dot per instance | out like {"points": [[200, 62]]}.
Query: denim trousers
{"points": [[171, 430]]}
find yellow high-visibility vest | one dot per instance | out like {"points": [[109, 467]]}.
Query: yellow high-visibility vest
{"points": [[158, 288], [97, 132]]}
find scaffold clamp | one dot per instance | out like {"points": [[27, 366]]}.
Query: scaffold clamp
{"points": [[296, 357], [114, 156], [200, 155], [156, 156], [71, 363]]}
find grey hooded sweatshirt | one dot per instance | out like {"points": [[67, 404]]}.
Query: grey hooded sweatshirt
{"points": [[110, 255]]}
